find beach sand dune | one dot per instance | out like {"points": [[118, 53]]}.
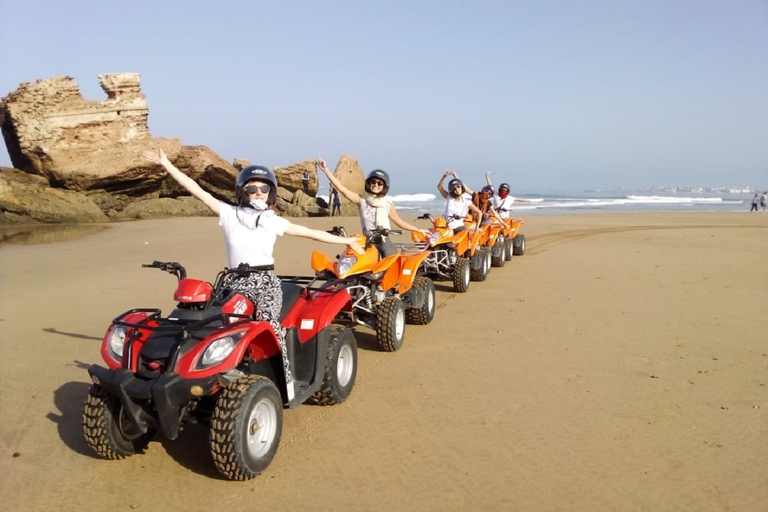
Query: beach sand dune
{"points": [[621, 364]]}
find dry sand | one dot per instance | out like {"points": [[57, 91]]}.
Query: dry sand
{"points": [[620, 365]]}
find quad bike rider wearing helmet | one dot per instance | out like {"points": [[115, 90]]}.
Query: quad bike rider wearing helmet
{"points": [[250, 230], [503, 205], [458, 201], [375, 209], [484, 202]]}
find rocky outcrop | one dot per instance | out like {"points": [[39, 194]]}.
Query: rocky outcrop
{"points": [[291, 177], [27, 198], [350, 174], [81, 160]]}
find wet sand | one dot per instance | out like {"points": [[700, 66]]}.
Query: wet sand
{"points": [[620, 364]]}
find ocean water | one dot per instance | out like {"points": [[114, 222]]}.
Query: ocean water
{"points": [[591, 202]]}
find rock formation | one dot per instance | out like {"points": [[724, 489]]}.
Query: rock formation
{"points": [[81, 160]]}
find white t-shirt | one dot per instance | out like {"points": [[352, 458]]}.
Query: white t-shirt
{"points": [[500, 205], [250, 235], [368, 215], [457, 207]]}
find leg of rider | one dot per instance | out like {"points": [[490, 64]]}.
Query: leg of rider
{"points": [[263, 288], [385, 247]]}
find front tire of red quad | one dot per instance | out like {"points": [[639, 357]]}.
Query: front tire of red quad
{"points": [[424, 314], [390, 324], [501, 259], [508, 248], [102, 418], [246, 427], [461, 275], [518, 245], [340, 367]]}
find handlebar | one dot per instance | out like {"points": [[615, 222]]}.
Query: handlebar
{"points": [[171, 267]]}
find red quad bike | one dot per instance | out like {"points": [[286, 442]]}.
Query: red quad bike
{"points": [[455, 257], [386, 292], [210, 362]]}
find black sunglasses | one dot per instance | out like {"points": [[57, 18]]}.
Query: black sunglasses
{"points": [[376, 182], [252, 189]]}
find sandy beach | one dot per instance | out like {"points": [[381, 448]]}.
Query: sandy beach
{"points": [[621, 364]]}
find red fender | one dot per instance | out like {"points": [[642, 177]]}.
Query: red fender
{"points": [[312, 316], [257, 337]]}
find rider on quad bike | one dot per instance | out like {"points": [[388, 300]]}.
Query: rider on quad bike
{"points": [[375, 209], [250, 229], [459, 205], [491, 225], [514, 241], [384, 285]]}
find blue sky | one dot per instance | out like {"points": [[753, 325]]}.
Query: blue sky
{"points": [[549, 95]]}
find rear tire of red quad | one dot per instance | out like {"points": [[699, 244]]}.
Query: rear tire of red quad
{"points": [[518, 246], [390, 324], [461, 275], [246, 427], [340, 367], [102, 414], [501, 259], [424, 314], [508, 248]]}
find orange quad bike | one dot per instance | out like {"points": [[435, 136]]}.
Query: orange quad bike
{"points": [[386, 292], [514, 241], [493, 239], [456, 257]]}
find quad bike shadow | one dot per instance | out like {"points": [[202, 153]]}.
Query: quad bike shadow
{"points": [[68, 400], [386, 291], [210, 362]]}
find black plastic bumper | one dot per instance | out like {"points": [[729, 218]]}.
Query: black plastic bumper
{"points": [[169, 394]]}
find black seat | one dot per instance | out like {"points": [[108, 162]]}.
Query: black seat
{"points": [[291, 293]]}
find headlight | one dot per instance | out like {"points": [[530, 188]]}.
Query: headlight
{"points": [[346, 263], [219, 349], [434, 237], [116, 341]]}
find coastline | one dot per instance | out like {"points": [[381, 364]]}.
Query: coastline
{"points": [[619, 365]]}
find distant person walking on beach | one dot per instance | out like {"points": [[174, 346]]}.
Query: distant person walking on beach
{"points": [[335, 202], [764, 200], [458, 201], [755, 202], [250, 230], [503, 203], [305, 181], [375, 208]]}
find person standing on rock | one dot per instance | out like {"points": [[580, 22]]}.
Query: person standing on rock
{"points": [[376, 210], [305, 181], [251, 228], [335, 202]]}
